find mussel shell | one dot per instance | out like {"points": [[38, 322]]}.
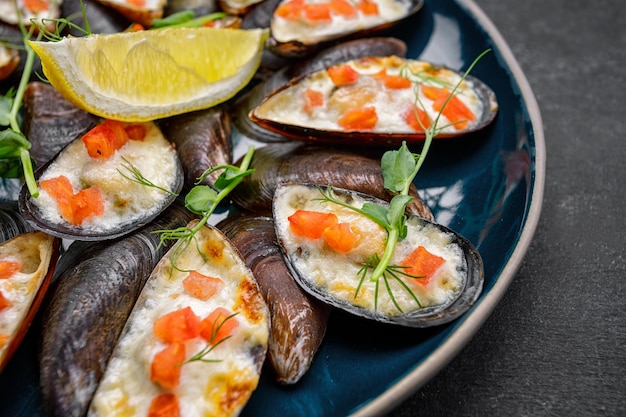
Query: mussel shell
{"points": [[472, 271], [299, 48], [332, 55], [51, 122], [202, 140], [101, 18], [11, 221], [297, 320], [32, 213], [484, 94], [94, 290], [298, 162], [46, 249]]}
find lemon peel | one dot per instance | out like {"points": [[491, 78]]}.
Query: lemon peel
{"points": [[148, 75]]}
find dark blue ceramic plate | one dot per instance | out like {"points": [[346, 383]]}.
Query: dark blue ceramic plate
{"points": [[487, 186]]}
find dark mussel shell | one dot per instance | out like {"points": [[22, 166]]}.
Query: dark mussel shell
{"points": [[34, 214], [51, 122], [468, 267], [37, 253], [93, 293], [297, 320], [306, 43], [276, 164], [202, 140], [282, 110], [332, 55], [11, 221]]}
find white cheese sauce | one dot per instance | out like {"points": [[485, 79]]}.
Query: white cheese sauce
{"points": [[284, 30]]}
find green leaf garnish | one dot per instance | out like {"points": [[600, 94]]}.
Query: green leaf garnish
{"points": [[203, 200]]}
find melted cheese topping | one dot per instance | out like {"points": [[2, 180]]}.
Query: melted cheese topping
{"points": [[39, 9], [125, 200], [32, 251], [310, 32], [218, 388], [288, 106], [338, 274]]}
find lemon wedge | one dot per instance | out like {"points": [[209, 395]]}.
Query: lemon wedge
{"points": [[148, 75]]}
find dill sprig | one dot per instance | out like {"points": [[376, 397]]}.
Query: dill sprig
{"points": [[212, 344], [138, 177]]}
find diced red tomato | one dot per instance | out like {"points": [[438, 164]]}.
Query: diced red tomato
{"points": [[167, 364], [104, 139], [363, 118], [417, 119], [164, 405], [201, 286], [135, 27], [340, 237], [136, 131], [87, 202], [61, 190], [311, 224], [394, 82], [74, 208], [8, 268], [421, 263], [343, 8], [291, 10], [455, 110], [177, 326], [218, 325], [4, 302], [37, 6], [138, 3], [312, 98], [368, 7], [317, 12], [343, 74]]}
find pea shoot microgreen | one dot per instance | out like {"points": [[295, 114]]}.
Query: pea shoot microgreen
{"points": [[203, 199], [399, 169]]}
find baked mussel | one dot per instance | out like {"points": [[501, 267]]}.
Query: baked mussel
{"points": [[302, 27], [27, 263], [378, 101], [434, 274], [112, 180]]}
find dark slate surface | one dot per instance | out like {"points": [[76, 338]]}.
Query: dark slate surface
{"points": [[556, 344]]}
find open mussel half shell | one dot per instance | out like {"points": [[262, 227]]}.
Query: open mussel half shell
{"points": [[28, 261], [299, 28], [332, 55], [201, 300], [380, 101], [135, 185], [340, 276]]}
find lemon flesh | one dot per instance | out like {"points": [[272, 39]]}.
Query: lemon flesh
{"points": [[147, 75]]}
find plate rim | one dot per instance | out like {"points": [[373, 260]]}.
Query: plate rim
{"points": [[435, 362]]}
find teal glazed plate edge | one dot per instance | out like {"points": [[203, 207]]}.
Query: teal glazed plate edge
{"points": [[487, 186]]}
